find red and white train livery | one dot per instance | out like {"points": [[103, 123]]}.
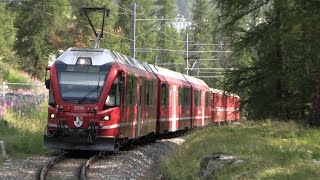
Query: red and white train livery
{"points": [[100, 99]]}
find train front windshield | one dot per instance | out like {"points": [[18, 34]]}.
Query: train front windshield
{"points": [[80, 84]]}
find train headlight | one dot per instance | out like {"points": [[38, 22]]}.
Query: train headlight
{"points": [[106, 118], [52, 116], [84, 61]]}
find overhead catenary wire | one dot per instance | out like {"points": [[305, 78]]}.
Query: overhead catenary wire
{"points": [[155, 28], [176, 50], [69, 33]]}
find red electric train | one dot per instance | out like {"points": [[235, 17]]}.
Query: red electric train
{"points": [[100, 99]]}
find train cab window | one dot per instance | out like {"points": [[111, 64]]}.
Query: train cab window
{"points": [[131, 91], [207, 99], [113, 98], [165, 95], [197, 98], [52, 101]]}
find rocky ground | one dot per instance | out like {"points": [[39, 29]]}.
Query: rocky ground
{"points": [[140, 162]]}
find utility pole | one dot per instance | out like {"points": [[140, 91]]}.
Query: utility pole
{"points": [[133, 30], [187, 51]]}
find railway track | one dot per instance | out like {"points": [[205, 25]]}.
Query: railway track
{"points": [[79, 172]]}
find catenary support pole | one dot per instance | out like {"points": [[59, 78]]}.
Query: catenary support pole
{"points": [[133, 30]]}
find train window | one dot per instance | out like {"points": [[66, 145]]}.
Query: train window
{"points": [[165, 95], [134, 91], [207, 99], [52, 101], [180, 95], [187, 96], [113, 98], [131, 90], [197, 98], [148, 92], [151, 93]]}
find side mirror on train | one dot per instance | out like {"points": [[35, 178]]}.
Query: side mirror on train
{"points": [[47, 83]]}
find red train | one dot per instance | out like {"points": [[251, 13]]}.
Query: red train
{"points": [[100, 99]]}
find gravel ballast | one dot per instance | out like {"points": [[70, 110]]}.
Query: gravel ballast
{"points": [[140, 162]]}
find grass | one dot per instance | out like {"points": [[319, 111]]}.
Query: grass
{"points": [[23, 133], [23, 130], [14, 76], [271, 150]]}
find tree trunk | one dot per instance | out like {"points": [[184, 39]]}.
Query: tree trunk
{"points": [[315, 117]]}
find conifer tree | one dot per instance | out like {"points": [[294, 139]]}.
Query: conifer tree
{"points": [[83, 31], [274, 41], [37, 21], [7, 30], [168, 37], [145, 30], [201, 34], [123, 25]]}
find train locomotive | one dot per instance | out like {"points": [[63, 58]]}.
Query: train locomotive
{"points": [[100, 99]]}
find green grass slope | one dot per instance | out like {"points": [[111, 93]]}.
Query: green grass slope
{"points": [[21, 129], [271, 150]]}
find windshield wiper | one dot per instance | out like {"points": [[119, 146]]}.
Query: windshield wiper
{"points": [[88, 94]]}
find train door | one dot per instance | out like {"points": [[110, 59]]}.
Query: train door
{"points": [[131, 104], [139, 117], [174, 108], [164, 120]]}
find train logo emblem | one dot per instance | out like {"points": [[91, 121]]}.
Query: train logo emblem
{"points": [[78, 121]]}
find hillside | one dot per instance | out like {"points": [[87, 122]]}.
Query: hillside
{"points": [[265, 150]]}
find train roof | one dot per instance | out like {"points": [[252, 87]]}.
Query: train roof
{"points": [[100, 56], [103, 56], [166, 72], [178, 76], [196, 81], [218, 91]]}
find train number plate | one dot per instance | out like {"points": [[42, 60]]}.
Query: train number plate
{"points": [[78, 108]]}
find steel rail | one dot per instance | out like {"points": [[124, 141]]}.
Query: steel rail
{"points": [[43, 171], [85, 166]]}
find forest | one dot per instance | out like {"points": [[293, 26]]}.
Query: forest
{"points": [[267, 49]]}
